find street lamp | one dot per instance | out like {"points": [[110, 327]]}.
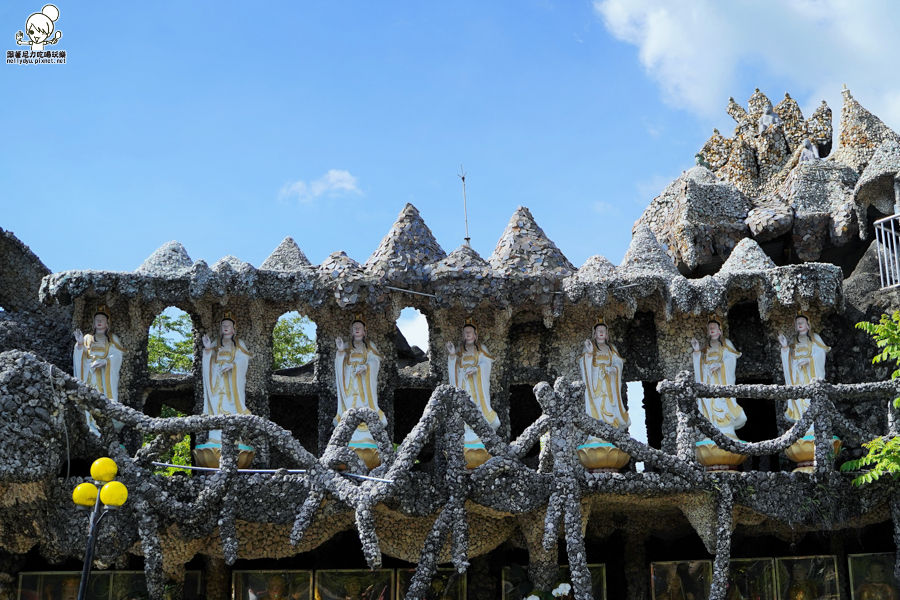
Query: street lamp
{"points": [[112, 495]]}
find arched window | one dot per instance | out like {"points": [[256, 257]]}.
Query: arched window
{"points": [[170, 343], [293, 341]]}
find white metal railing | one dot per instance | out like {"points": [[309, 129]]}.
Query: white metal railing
{"points": [[887, 236]]}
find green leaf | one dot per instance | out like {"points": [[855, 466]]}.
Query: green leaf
{"points": [[291, 347]]}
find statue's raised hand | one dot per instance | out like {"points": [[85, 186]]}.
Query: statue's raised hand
{"points": [[339, 342], [588, 346], [79, 338], [695, 345], [451, 348], [782, 340], [207, 343]]}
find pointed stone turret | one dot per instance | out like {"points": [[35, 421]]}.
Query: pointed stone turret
{"points": [[861, 134], [716, 150], [793, 124], [338, 264], [741, 168], [406, 252], [597, 267], [286, 257], [747, 256], [737, 113], [646, 256], [820, 130], [169, 260], [757, 105], [232, 263], [462, 261], [524, 248]]}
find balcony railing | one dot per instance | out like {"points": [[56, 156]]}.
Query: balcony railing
{"points": [[887, 236]]}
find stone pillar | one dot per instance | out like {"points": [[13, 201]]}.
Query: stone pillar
{"points": [[543, 565], [636, 574], [480, 585], [218, 578], [836, 543]]}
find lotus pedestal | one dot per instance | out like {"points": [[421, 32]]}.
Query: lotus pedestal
{"points": [[602, 457], [208, 455], [716, 459], [803, 452]]}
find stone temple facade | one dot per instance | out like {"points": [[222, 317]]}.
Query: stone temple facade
{"points": [[737, 238]]}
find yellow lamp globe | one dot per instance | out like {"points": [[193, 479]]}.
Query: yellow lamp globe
{"points": [[85, 494], [114, 494], [104, 469]]}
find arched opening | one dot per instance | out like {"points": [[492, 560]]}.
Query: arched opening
{"points": [[412, 395], [635, 401], [294, 403], [412, 338], [170, 343], [170, 359], [293, 345]]}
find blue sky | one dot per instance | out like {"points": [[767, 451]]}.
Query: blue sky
{"points": [[230, 125]]}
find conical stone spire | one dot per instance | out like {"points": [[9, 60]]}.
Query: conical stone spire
{"points": [[596, 268], [525, 248], [861, 135], [406, 252], [169, 260], [646, 256], [464, 260], [286, 257], [747, 256]]}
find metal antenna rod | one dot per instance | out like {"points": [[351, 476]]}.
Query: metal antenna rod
{"points": [[465, 208]]}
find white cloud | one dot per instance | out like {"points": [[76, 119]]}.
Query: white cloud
{"points": [[697, 50], [414, 327], [333, 183], [605, 208]]}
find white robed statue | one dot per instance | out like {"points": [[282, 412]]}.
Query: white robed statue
{"points": [[714, 364], [356, 367], [469, 369], [803, 359], [225, 361], [97, 360], [601, 368]]}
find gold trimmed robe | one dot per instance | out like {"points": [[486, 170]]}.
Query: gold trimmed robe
{"points": [[225, 393], [478, 385], [602, 390], [105, 378], [358, 390], [813, 349], [725, 413]]}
